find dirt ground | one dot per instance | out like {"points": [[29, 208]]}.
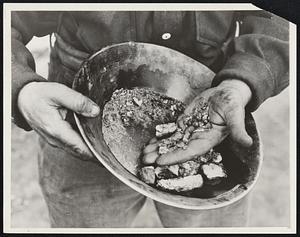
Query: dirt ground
{"points": [[270, 205]]}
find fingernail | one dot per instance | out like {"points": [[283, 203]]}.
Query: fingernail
{"points": [[95, 110]]}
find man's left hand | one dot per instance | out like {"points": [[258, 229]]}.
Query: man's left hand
{"points": [[226, 104]]}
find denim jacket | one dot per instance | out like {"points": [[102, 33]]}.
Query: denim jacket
{"points": [[259, 55]]}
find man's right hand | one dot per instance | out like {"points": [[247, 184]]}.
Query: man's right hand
{"points": [[44, 106]]}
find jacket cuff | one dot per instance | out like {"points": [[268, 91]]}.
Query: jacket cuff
{"points": [[252, 70], [17, 116]]}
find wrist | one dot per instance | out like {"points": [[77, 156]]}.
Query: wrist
{"points": [[239, 87]]}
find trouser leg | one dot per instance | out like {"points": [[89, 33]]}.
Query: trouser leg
{"points": [[84, 194], [233, 215]]}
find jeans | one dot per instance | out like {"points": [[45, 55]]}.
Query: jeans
{"points": [[85, 194]]}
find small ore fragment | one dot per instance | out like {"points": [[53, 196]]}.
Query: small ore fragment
{"points": [[211, 157], [163, 149], [165, 129], [217, 158], [214, 173], [204, 158], [177, 136], [181, 184], [174, 169], [147, 174], [137, 101], [166, 145], [188, 168], [167, 172]]}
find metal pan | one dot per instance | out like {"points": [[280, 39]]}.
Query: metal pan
{"points": [[167, 71]]}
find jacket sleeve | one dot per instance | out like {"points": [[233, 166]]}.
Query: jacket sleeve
{"points": [[25, 25], [259, 56]]}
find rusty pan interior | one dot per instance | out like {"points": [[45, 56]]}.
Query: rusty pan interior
{"points": [[169, 72]]}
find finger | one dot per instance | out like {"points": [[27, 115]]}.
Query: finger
{"points": [[216, 133], [48, 139], [178, 156], [200, 143], [54, 142], [235, 120], [150, 158], [70, 139], [150, 148], [59, 133], [75, 101]]}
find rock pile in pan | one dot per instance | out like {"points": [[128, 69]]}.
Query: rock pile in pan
{"points": [[186, 176], [145, 107], [206, 169], [158, 113]]}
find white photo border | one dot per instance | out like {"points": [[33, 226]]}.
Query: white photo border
{"points": [[8, 7]]}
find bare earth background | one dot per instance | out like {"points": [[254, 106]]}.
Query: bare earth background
{"points": [[270, 205]]}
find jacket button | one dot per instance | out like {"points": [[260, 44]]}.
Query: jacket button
{"points": [[166, 36]]}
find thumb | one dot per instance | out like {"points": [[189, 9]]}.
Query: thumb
{"points": [[75, 101], [235, 120]]}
